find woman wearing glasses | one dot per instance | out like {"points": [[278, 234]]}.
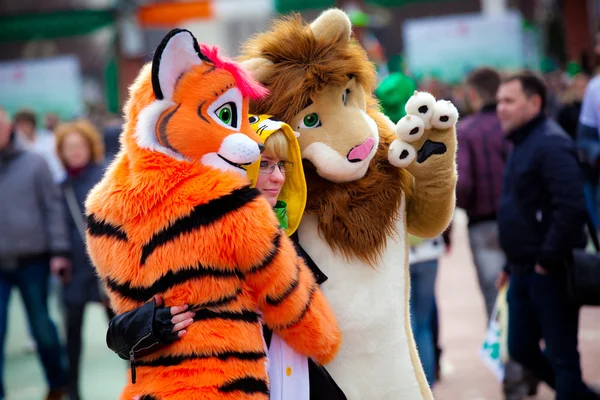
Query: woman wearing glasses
{"points": [[280, 178]]}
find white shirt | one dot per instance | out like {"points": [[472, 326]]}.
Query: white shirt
{"points": [[288, 372], [428, 249]]}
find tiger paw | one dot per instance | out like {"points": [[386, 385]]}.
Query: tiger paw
{"points": [[426, 136]]}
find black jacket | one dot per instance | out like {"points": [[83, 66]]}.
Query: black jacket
{"points": [[542, 209], [146, 329]]}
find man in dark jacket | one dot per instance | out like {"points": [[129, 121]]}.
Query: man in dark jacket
{"points": [[33, 242], [541, 218]]}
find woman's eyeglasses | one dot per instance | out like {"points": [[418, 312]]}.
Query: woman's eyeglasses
{"points": [[267, 167]]}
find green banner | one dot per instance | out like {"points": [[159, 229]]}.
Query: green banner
{"points": [[397, 3], [53, 25], [286, 6]]}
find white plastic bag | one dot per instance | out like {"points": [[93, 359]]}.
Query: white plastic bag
{"points": [[494, 351]]}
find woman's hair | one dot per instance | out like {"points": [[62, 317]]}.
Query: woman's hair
{"points": [[277, 146], [88, 132]]}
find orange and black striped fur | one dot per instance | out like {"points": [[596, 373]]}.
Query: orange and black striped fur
{"points": [[175, 216]]}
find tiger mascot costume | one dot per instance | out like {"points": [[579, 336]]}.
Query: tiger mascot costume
{"points": [[174, 215]]}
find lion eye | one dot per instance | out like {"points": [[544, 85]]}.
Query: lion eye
{"points": [[311, 121]]}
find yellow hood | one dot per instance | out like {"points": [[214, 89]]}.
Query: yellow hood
{"points": [[293, 192]]}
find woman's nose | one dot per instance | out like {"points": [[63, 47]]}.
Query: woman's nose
{"points": [[277, 175]]}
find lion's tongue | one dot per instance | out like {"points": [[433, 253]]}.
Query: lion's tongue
{"points": [[361, 152]]}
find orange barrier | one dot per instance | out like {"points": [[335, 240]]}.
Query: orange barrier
{"points": [[172, 13]]}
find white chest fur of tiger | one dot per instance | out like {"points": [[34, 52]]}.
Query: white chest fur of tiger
{"points": [[370, 183]]}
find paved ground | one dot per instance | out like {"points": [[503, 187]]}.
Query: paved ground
{"points": [[463, 328], [462, 324], [103, 373]]}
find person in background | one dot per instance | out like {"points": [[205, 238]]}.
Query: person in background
{"points": [[51, 121], [482, 154], [588, 142], [33, 243], [81, 151], [568, 116], [541, 219], [556, 85], [458, 93], [424, 257], [39, 141], [435, 318], [111, 132]]}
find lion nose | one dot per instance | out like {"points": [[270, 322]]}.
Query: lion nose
{"points": [[361, 151]]}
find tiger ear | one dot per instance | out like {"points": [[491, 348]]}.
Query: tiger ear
{"points": [[332, 24], [261, 68], [176, 54]]}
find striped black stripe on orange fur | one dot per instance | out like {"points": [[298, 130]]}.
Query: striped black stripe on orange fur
{"points": [[171, 361], [244, 315], [271, 256], [169, 280], [247, 385], [274, 301], [102, 228], [148, 397], [313, 289], [223, 301], [163, 136], [201, 215], [200, 113]]}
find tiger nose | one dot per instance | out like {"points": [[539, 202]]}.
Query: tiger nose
{"points": [[261, 147]]}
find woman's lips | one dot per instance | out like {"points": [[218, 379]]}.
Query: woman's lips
{"points": [[271, 191]]}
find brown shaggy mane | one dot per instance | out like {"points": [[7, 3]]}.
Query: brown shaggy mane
{"points": [[304, 65], [355, 218]]}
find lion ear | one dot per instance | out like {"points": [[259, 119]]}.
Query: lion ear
{"points": [[261, 68], [332, 24]]}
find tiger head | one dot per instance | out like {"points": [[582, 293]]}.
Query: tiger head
{"points": [[192, 105]]}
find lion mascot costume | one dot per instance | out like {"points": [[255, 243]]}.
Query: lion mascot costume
{"points": [[174, 215], [370, 184]]}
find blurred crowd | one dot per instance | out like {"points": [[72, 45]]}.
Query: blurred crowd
{"points": [[46, 171], [525, 143], [528, 166]]}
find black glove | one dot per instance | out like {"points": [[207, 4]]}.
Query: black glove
{"points": [[162, 327]]}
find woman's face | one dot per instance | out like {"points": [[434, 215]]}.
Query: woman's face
{"points": [[76, 150], [270, 178]]}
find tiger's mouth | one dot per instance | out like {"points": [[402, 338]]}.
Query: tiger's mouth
{"points": [[237, 165]]}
